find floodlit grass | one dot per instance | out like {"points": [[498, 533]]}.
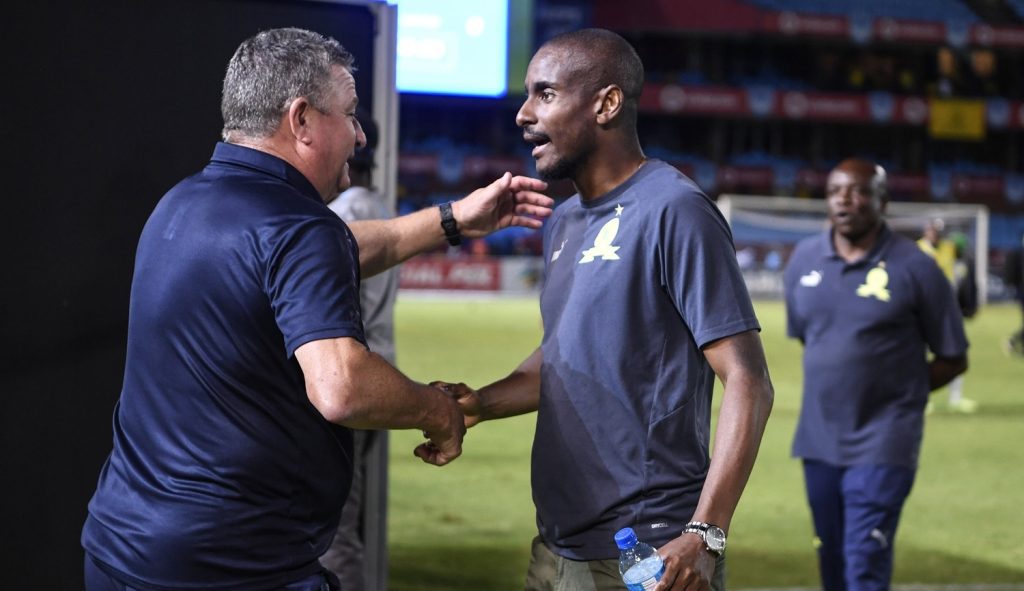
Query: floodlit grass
{"points": [[469, 525]]}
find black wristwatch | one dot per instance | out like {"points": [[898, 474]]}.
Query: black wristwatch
{"points": [[713, 536], [449, 225]]}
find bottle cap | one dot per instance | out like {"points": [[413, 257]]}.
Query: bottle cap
{"points": [[625, 538]]}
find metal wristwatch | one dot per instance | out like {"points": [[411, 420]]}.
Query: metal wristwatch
{"points": [[713, 536]]}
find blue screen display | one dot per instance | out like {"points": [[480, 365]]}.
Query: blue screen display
{"points": [[453, 47]]}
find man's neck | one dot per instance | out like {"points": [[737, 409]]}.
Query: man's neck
{"points": [[261, 144], [853, 249], [284, 150], [603, 175]]}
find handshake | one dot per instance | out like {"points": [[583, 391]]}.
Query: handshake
{"points": [[461, 411]]}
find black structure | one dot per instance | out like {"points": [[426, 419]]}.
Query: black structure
{"points": [[110, 104]]}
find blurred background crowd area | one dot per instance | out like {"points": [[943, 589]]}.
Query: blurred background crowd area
{"points": [[763, 97]]}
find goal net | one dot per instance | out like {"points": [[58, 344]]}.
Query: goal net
{"points": [[765, 230]]}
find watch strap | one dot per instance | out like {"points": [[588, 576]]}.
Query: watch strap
{"points": [[449, 225], [696, 526], [701, 529]]}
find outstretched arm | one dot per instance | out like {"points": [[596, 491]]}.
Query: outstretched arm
{"points": [[747, 400], [353, 387], [516, 394], [508, 201]]}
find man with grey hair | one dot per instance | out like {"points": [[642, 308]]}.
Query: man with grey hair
{"points": [[247, 365]]}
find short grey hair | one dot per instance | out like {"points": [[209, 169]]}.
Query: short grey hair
{"points": [[272, 69]]}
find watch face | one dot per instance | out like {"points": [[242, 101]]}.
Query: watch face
{"points": [[714, 537]]}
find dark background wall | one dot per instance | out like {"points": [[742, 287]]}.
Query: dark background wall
{"points": [[109, 105]]}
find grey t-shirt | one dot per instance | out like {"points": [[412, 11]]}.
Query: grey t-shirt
{"points": [[377, 293], [636, 283]]}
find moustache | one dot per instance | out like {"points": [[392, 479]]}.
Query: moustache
{"points": [[534, 137]]}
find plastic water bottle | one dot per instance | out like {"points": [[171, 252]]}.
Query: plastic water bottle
{"points": [[639, 564]]}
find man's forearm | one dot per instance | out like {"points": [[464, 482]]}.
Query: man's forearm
{"points": [[508, 201], [386, 243], [384, 398], [516, 394], [354, 387], [746, 404], [942, 370]]}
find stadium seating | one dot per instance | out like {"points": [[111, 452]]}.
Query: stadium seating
{"points": [[929, 10]]}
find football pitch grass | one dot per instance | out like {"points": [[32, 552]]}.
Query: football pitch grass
{"points": [[468, 526]]}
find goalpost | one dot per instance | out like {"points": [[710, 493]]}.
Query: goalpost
{"points": [[765, 230]]}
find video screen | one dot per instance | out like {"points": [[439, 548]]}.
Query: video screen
{"points": [[457, 47]]}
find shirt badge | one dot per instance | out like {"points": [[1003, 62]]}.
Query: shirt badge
{"points": [[558, 253], [603, 243], [875, 284], [811, 279]]}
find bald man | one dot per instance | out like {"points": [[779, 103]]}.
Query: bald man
{"points": [[643, 306], [866, 303]]}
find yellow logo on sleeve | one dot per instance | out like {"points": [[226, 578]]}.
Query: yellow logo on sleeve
{"points": [[875, 284]]}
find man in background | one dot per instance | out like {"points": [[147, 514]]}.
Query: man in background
{"points": [[934, 243], [965, 277], [949, 256], [866, 303], [363, 525]]}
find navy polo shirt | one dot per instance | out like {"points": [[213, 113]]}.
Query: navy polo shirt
{"points": [[636, 283], [865, 327], [223, 475]]}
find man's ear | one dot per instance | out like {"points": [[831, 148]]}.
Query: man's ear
{"points": [[609, 105], [297, 119]]}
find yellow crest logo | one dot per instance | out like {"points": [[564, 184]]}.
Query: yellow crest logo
{"points": [[875, 284], [603, 246]]}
